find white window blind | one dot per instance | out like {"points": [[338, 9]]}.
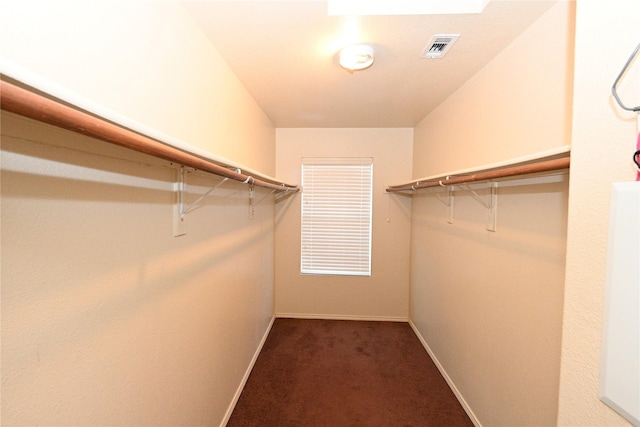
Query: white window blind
{"points": [[336, 216]]}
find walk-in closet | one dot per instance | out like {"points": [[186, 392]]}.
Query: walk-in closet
{"points": [[206, 209]]}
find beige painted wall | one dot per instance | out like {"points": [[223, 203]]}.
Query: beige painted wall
{"points": [[145, 60], [489, 305], [524, 92], [603, 142], [107, 319], [384, 295]]}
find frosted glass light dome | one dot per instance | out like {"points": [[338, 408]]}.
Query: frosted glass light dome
{"points": [[356, 57]]}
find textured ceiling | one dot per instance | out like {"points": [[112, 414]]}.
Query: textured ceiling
{"points": [[286, 54]]}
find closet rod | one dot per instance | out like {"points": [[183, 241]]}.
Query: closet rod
{"points": [[542, 166], [29, 104]]}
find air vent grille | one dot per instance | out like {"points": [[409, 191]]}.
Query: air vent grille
{"points": [[439, 45]]}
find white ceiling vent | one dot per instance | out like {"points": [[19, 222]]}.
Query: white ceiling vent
{"points": [[439, 45]]}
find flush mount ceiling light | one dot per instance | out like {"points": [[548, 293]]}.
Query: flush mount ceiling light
{"points": [[356, 57]]}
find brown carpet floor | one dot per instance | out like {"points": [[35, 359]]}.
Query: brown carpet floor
{"points": [[345, 373]]}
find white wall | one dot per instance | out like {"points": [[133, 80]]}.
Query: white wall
{"points": [[603, 143], [489, 305], [107, 319], [384, 295]]}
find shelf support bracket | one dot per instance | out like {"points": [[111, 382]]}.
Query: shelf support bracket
{"points": [[252, 200], [493, 206], [448, 202], [284, 193], [491, 203], [179, 210], [178, 217], [475, 195], [451, 190], [442, 200], [193, 205]]}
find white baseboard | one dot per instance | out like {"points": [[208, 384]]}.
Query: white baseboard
{"points": [[232, 406], [453, 387], [340, 317]]}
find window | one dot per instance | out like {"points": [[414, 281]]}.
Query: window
{"points": [[336, 216]]}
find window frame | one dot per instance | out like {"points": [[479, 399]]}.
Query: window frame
{"points": [[337, 196]]}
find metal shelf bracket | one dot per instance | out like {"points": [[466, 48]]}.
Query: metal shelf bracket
{"points": [[451, 191], [179, 210], [492, 200], [491, 204]]}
